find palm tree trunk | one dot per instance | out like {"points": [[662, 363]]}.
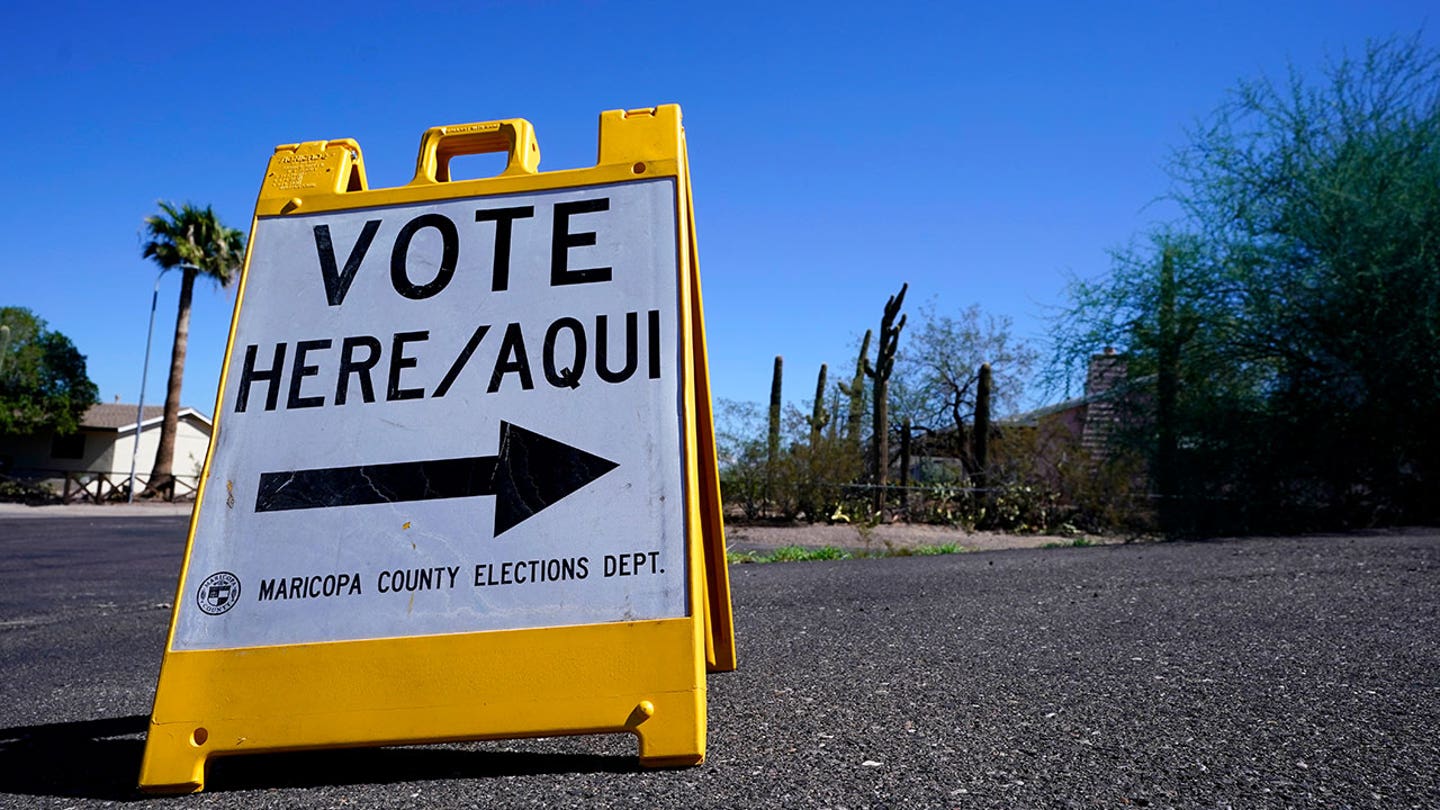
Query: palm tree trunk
{"points": [[162, 477]]}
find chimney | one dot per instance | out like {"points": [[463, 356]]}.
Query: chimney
{"points": [[1107, 369]]}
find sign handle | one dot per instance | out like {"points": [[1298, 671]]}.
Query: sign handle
{"points": [[514, 136]]}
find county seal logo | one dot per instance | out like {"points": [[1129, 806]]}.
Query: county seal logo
{"points": [[218, 593]]}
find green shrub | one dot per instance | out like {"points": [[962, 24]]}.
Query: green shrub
{"points": [[34, 493], [943, 548]]}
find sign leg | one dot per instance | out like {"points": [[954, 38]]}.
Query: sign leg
{"points": [[671, 729], [174, 762]]}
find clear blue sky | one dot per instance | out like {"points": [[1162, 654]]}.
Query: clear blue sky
{"points": [[979, 152]]}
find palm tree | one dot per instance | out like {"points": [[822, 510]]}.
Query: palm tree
{"points": [[196, 241]]}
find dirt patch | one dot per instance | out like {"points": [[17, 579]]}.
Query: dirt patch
{"points": [[883, 538]]}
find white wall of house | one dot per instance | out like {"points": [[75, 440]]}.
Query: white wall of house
{"points": [[191, 444]]}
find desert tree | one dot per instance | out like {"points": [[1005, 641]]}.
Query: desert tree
{"points": [[1292, 313], [939, 374]]}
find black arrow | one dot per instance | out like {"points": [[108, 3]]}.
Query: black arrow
{"points": [[530, 473]]}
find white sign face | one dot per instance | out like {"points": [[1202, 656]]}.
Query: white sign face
{"points": [[449, 417]]}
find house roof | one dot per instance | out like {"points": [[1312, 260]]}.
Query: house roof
{"points": [[1115, 392], [1032, 418], [120, 417]]}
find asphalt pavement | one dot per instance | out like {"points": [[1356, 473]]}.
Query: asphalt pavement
{"points": [[1264, 672]]}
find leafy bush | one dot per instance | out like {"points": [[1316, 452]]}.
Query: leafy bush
{"points": [[33, 493]]}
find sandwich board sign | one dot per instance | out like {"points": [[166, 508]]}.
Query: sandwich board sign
{"points": [[462, 482]]}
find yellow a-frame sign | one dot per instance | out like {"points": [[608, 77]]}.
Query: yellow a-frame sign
{"points": [[463, 480]]}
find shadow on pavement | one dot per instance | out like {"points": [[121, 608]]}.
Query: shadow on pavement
{"points": [[378, 766], [100, 759], [96, 759]]}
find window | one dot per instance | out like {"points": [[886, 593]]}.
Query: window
{"points": [[72, 446]]}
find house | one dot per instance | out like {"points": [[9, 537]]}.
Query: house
{"points": [[1085, 425], [94, 462], [1090, 418]]}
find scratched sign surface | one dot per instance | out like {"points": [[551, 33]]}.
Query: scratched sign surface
{"points": [[448, 417]]}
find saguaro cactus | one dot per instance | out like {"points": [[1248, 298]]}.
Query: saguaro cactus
{"points": [[1166, 393], [905, 454], [772, 443], [879, 374], [855, 390], [834, 424], [981, 438], [819, 417]]}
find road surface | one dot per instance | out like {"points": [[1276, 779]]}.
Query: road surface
{"points": [[1266, 672]]}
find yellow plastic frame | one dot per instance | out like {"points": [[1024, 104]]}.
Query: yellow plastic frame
{"points": [[646, 678]]}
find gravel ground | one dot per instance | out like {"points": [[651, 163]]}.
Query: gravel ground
{"points": [[887, 538]]}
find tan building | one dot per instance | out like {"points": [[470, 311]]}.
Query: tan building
{"points": [[95, 460]]}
